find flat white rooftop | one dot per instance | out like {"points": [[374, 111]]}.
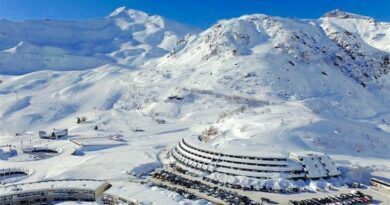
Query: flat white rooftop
{"points": [[194, 141], [51, 184], [140, 193]]}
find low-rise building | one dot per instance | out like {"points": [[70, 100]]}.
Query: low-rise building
{"points": [[44, 192], [7, 152], [382, 183], [316, 165], [55, 134], [9, 175]]}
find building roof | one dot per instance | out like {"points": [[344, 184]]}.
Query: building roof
{"points": [[242, 153], [84, 184], [382, 179], [139, 193]]}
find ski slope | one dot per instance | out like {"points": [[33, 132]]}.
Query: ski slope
{"points": [[261, 82]]}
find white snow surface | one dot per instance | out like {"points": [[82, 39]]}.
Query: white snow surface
{"points": [[264, 83], [126, 36]]}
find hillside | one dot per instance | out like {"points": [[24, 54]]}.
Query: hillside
{"points": [[255, 82], [296, 67], [125, 37]]}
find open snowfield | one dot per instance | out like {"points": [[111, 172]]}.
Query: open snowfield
{"points": [[264, 84]]}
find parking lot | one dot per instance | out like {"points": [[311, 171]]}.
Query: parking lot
{"points": [[210, 193], [341, 199], [257, 197]]}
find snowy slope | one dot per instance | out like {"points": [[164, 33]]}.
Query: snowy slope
{"points": [[282, 61], [126, 37], [252, 61], [373, 33], [260, 82], [309, 42], [363, 42]]}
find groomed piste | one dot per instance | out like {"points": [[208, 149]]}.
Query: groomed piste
{"points": [[192, 154]]}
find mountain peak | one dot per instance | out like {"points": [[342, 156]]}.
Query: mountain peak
{"points": [[118, 11], [343, 15], [126, 12]]}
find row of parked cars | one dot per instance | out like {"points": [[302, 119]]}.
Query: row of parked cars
{"points": [[243, 187], [341, 199], [227, 196], [253, 188], [182, 192]]}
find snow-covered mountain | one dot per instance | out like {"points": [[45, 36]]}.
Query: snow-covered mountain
{"points": [[364, 44], [354, 44], [125, 36], [322, 65], [252, 82], [371, 32]]}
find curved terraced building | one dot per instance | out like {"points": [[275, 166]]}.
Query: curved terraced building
{"points": [[191, 154]]}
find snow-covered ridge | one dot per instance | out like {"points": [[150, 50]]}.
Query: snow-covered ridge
{"points": [[126, 37], [344, 15], [255, 82], [356, 46]]}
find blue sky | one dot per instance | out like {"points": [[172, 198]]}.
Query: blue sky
{"points": [[200, 13]]}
